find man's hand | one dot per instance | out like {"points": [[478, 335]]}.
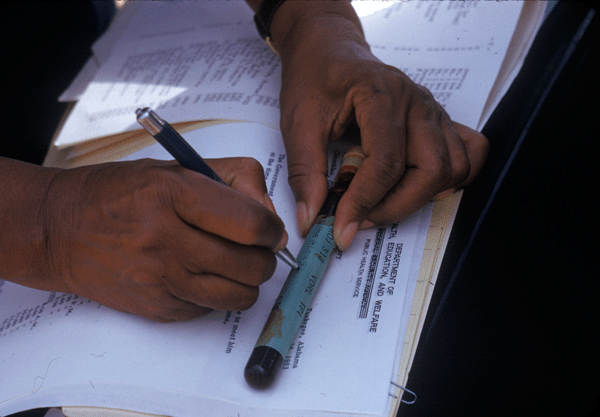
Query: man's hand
{"points": [[155, 239], [332, 83]]}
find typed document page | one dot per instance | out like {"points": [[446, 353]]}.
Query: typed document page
{"points": [[191, 62], [61, 349]]}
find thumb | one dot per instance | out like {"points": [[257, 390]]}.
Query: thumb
{"points": [[307, 173]]}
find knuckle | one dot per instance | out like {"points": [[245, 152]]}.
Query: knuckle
{"points": [[481, 145], [149, 237], [250, 166], [424, 94], [247, 299], [375, 92], [141, 279], [389, 167], [378, 89], [425, 103], [158, 313], [158, 172], [266, 267], [362, 205], [259, 266], [298, 173], [238, 299], [463, 171], [257, 222], [389, 161], [439, 172], [291, 118], [160, 182]]}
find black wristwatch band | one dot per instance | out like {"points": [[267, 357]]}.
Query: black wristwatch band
{"points": [[263, 17]]}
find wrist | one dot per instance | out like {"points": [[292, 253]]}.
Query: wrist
{"points": [[303, 21], [25, 257]]}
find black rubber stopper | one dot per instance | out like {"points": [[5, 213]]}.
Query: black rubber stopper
{"points": [[262, 366]]}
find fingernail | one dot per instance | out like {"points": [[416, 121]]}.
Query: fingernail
{"points": [[366, 224], [344, 239], [302, 217]]}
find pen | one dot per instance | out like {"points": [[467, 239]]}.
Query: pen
{"points": [[301, 284], [187, 157]]}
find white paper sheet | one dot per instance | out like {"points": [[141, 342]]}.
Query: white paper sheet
{"points": [[195, 66], [63, 350], [59, 349]]}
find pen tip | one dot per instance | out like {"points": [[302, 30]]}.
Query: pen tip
{"points": [[286, 256]]}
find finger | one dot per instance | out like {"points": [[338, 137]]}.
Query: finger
{"points": [[460, 166], [429, 171], [218, 293], [247, 175], [203, 272], [180, 310], [180, 294], [182, 314], [223, 211], [306, 149], [197, 252], [477, 148], [383, 143], [148, 297]]}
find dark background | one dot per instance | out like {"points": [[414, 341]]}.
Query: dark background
{"points": [[514, 321], [517, 327], [43, 44]]}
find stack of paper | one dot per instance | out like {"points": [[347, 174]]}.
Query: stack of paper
{"points": [[199, 63]]}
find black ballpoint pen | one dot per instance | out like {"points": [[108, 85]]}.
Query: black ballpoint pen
{"points": [[187, 157]]}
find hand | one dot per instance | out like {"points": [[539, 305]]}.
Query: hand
{"points": [[158, 240], [331, 84]]}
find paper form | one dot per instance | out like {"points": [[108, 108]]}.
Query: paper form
{"points": [[116, 353], [103, 47], [222, 69], [456, 63], [340, 362]]}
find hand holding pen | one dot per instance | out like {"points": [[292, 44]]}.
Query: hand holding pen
{"points": [[147, 237], [177, 146]]}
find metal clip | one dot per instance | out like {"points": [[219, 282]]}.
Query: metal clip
{"points": [[407, 390]]}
